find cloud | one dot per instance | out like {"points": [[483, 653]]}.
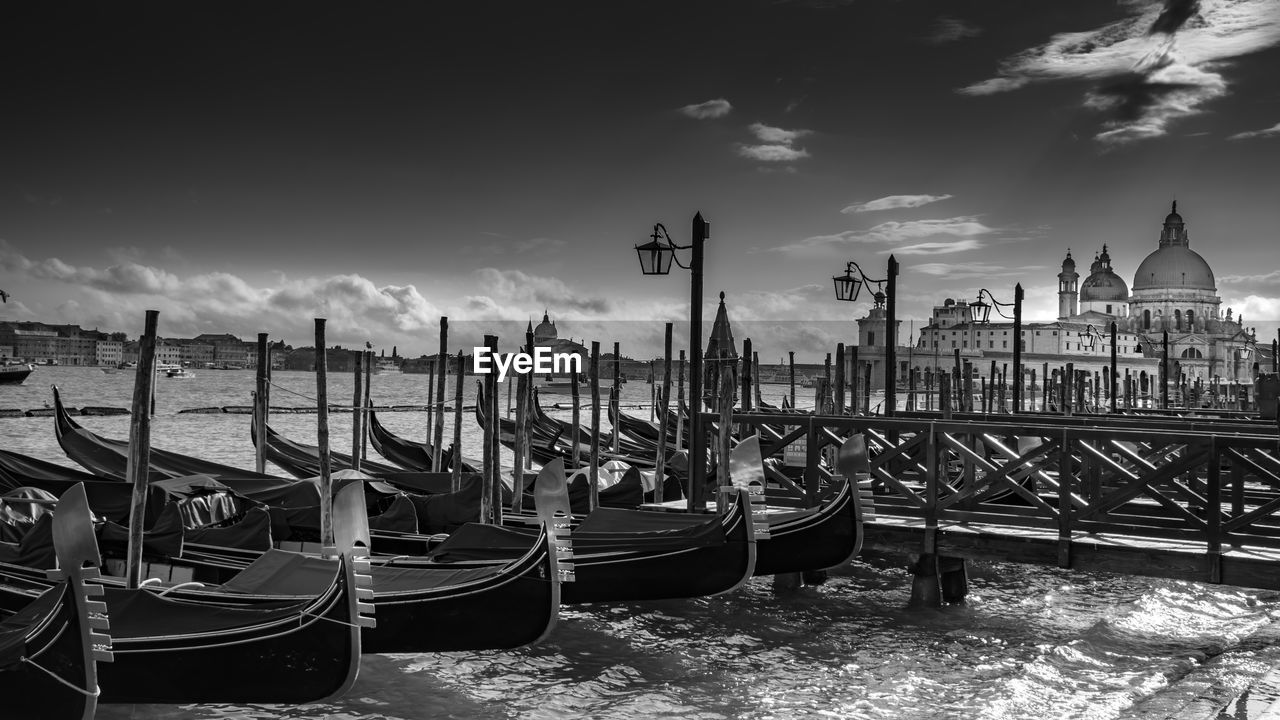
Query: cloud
{"points": [[897, 232], [938, 248], [949, 29], [893, 202], [1255, 307], [1158, 66], [777, 144], [769, 134], [1272, 131], [1271, 277], [965, 271], [772, 153], [709, 109]]}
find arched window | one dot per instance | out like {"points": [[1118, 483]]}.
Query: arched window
{"points": [[1191, 320], [1142, 381], [1146, 319], [1177, 319], [1192, 353]]}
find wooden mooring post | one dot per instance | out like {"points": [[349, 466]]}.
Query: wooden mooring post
{"points": [[437, 438], [455, 478], [138, 464], [322, 437], [262, 403], [357, 403]]}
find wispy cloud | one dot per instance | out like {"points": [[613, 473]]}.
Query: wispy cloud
{"points": [[949, 29], [1160, 65], [893, 202], [945, 247], [772, 153], [709, 109], [964, 271], [1271, 277], [776, 144], [1272, 131], [898, 232]]}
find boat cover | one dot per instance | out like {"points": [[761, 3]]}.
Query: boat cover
{"points": [[141, 614], [15, 629]]}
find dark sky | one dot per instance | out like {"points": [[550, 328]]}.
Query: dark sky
{"points": [[245, 167]]}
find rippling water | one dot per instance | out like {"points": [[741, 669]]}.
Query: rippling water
{"points": [[1030, 642]]}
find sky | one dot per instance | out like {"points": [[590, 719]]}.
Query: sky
{"points": [[249, 167]]}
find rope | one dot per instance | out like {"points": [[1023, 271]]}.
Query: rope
{"points": [[96, 690], [329, 619]]}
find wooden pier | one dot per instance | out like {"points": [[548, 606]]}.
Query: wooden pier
{"points": [[1192, 499]]}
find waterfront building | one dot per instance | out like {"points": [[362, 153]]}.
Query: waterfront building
{"points": [[1173, 291]]}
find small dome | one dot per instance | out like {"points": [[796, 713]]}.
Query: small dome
{"points": [[546, 331], [1104, 285], [1173, 218], [1068, 265]]}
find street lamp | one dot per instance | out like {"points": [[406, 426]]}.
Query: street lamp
{"points": [[847, 287], [656, 257], [1089, 340], [981, 312]]}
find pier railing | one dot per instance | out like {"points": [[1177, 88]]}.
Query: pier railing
{"points": [[1162, 501]]}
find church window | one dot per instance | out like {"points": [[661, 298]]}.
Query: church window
{"points": [[1177, 319], [1146, 319], [1108, 309]]}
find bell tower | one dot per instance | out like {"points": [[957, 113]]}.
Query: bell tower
{"points": [[1068, 292]]}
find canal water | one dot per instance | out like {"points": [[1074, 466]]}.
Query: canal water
{"points": [[1030, 642]]}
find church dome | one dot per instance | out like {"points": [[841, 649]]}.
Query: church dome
{"points": [[546, 331], [1104, 285], [1174, 266]]}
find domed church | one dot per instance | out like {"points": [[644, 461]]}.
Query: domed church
{"points": [[1173, 291]]}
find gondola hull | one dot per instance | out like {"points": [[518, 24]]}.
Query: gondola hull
{"points": [[823, 538], [46, 681]]}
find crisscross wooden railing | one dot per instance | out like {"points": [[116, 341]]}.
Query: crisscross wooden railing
{"points": [[1177, 498]]}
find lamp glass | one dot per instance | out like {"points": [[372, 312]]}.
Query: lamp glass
{"points": [[980, 311], [847, 287], [655, 257]]}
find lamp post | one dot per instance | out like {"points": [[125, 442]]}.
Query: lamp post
{"points": [[656, 257], [1112, 388], [847, 288], [981, 312]]}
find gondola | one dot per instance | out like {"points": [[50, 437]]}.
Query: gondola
{"points": [[628, 492], [50, 647], [233, 643], [425, 606], [409, 454], [302, 461], [631, 555]]}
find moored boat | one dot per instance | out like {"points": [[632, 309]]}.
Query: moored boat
{"points": [[15, 374]]}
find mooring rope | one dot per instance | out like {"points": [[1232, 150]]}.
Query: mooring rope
{"points": [[332, 620], [96, 690]]}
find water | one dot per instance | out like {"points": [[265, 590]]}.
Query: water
{"points": [[1030, 642]]}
